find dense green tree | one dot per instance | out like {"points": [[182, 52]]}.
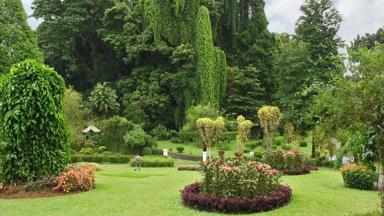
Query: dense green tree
{"points": [[103, 100], [245, 93], [318, 27], [113, 132], [368, 40], [17, 41], [292, 75], [69, 38], [240, 29], [74, 114], [33, 133]]}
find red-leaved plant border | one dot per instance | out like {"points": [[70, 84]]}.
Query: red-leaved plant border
{"points": [[192, 197], [305, 170]]}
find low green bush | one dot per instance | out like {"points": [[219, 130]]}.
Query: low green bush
{"points": [[186, 136], [359, 176], [303, 144], [101, 149], [156, 151], [175, 140], [254, 144], [155, 161], [180, 149], [258, 154], [99, 158], [87, 151], [119, 159], [75, 158], [287, 147], [279, 140], [147, 151], [229, 136]]}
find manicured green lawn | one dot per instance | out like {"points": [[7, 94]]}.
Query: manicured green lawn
{"points": [[121, 191], [195, 150]]}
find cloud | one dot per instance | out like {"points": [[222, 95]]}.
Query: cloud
{"points": [[28, 9], [282, 14], [360, 16]]}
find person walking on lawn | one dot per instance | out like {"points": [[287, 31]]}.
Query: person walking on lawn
{"points": [[138, 162]]}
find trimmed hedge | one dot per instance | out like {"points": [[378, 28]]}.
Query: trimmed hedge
{"points": [[188, 169], [155, 161], [100, 158], [192, 197]]}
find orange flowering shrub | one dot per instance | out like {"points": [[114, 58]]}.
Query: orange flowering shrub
{"points": [[359, 176], [76, 178]]}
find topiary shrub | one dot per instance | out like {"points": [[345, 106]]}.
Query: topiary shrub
{"points": [[32, 128], [359, 176], [180, 149], [270, 118]]}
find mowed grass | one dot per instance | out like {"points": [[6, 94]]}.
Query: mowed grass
{"points": [[155, 191], [196, 150]]}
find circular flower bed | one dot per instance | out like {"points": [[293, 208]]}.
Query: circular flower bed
{"points": [[234, 185], [192, 197]]}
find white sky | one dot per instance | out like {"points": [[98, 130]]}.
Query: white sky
{"points": [[360, 16]]}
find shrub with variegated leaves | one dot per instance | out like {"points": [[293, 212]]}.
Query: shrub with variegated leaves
{"points": [[210, 131], [244, 130], [270, 117], [236, 177]]}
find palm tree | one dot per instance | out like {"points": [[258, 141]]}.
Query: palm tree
{"points": [[103, 100]]}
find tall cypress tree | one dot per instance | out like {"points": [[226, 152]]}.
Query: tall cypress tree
{"points": [[211, 63], [17, 41]]}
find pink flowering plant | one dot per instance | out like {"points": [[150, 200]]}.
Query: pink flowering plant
{"points": [[235, 177], [286, 160]]}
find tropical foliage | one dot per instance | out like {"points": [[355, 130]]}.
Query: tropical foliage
{"points": [[32, 123]]}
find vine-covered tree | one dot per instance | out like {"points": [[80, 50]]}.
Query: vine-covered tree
{"points": [[210, 64], [33, 133], [17, 41]]}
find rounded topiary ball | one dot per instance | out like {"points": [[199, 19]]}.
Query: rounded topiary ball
{"points": [[33, 133]]}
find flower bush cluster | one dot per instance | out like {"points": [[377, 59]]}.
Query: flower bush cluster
{"points": [[76, 178], [359, 176], [288, 162], [235, 177], [192, 196]]}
